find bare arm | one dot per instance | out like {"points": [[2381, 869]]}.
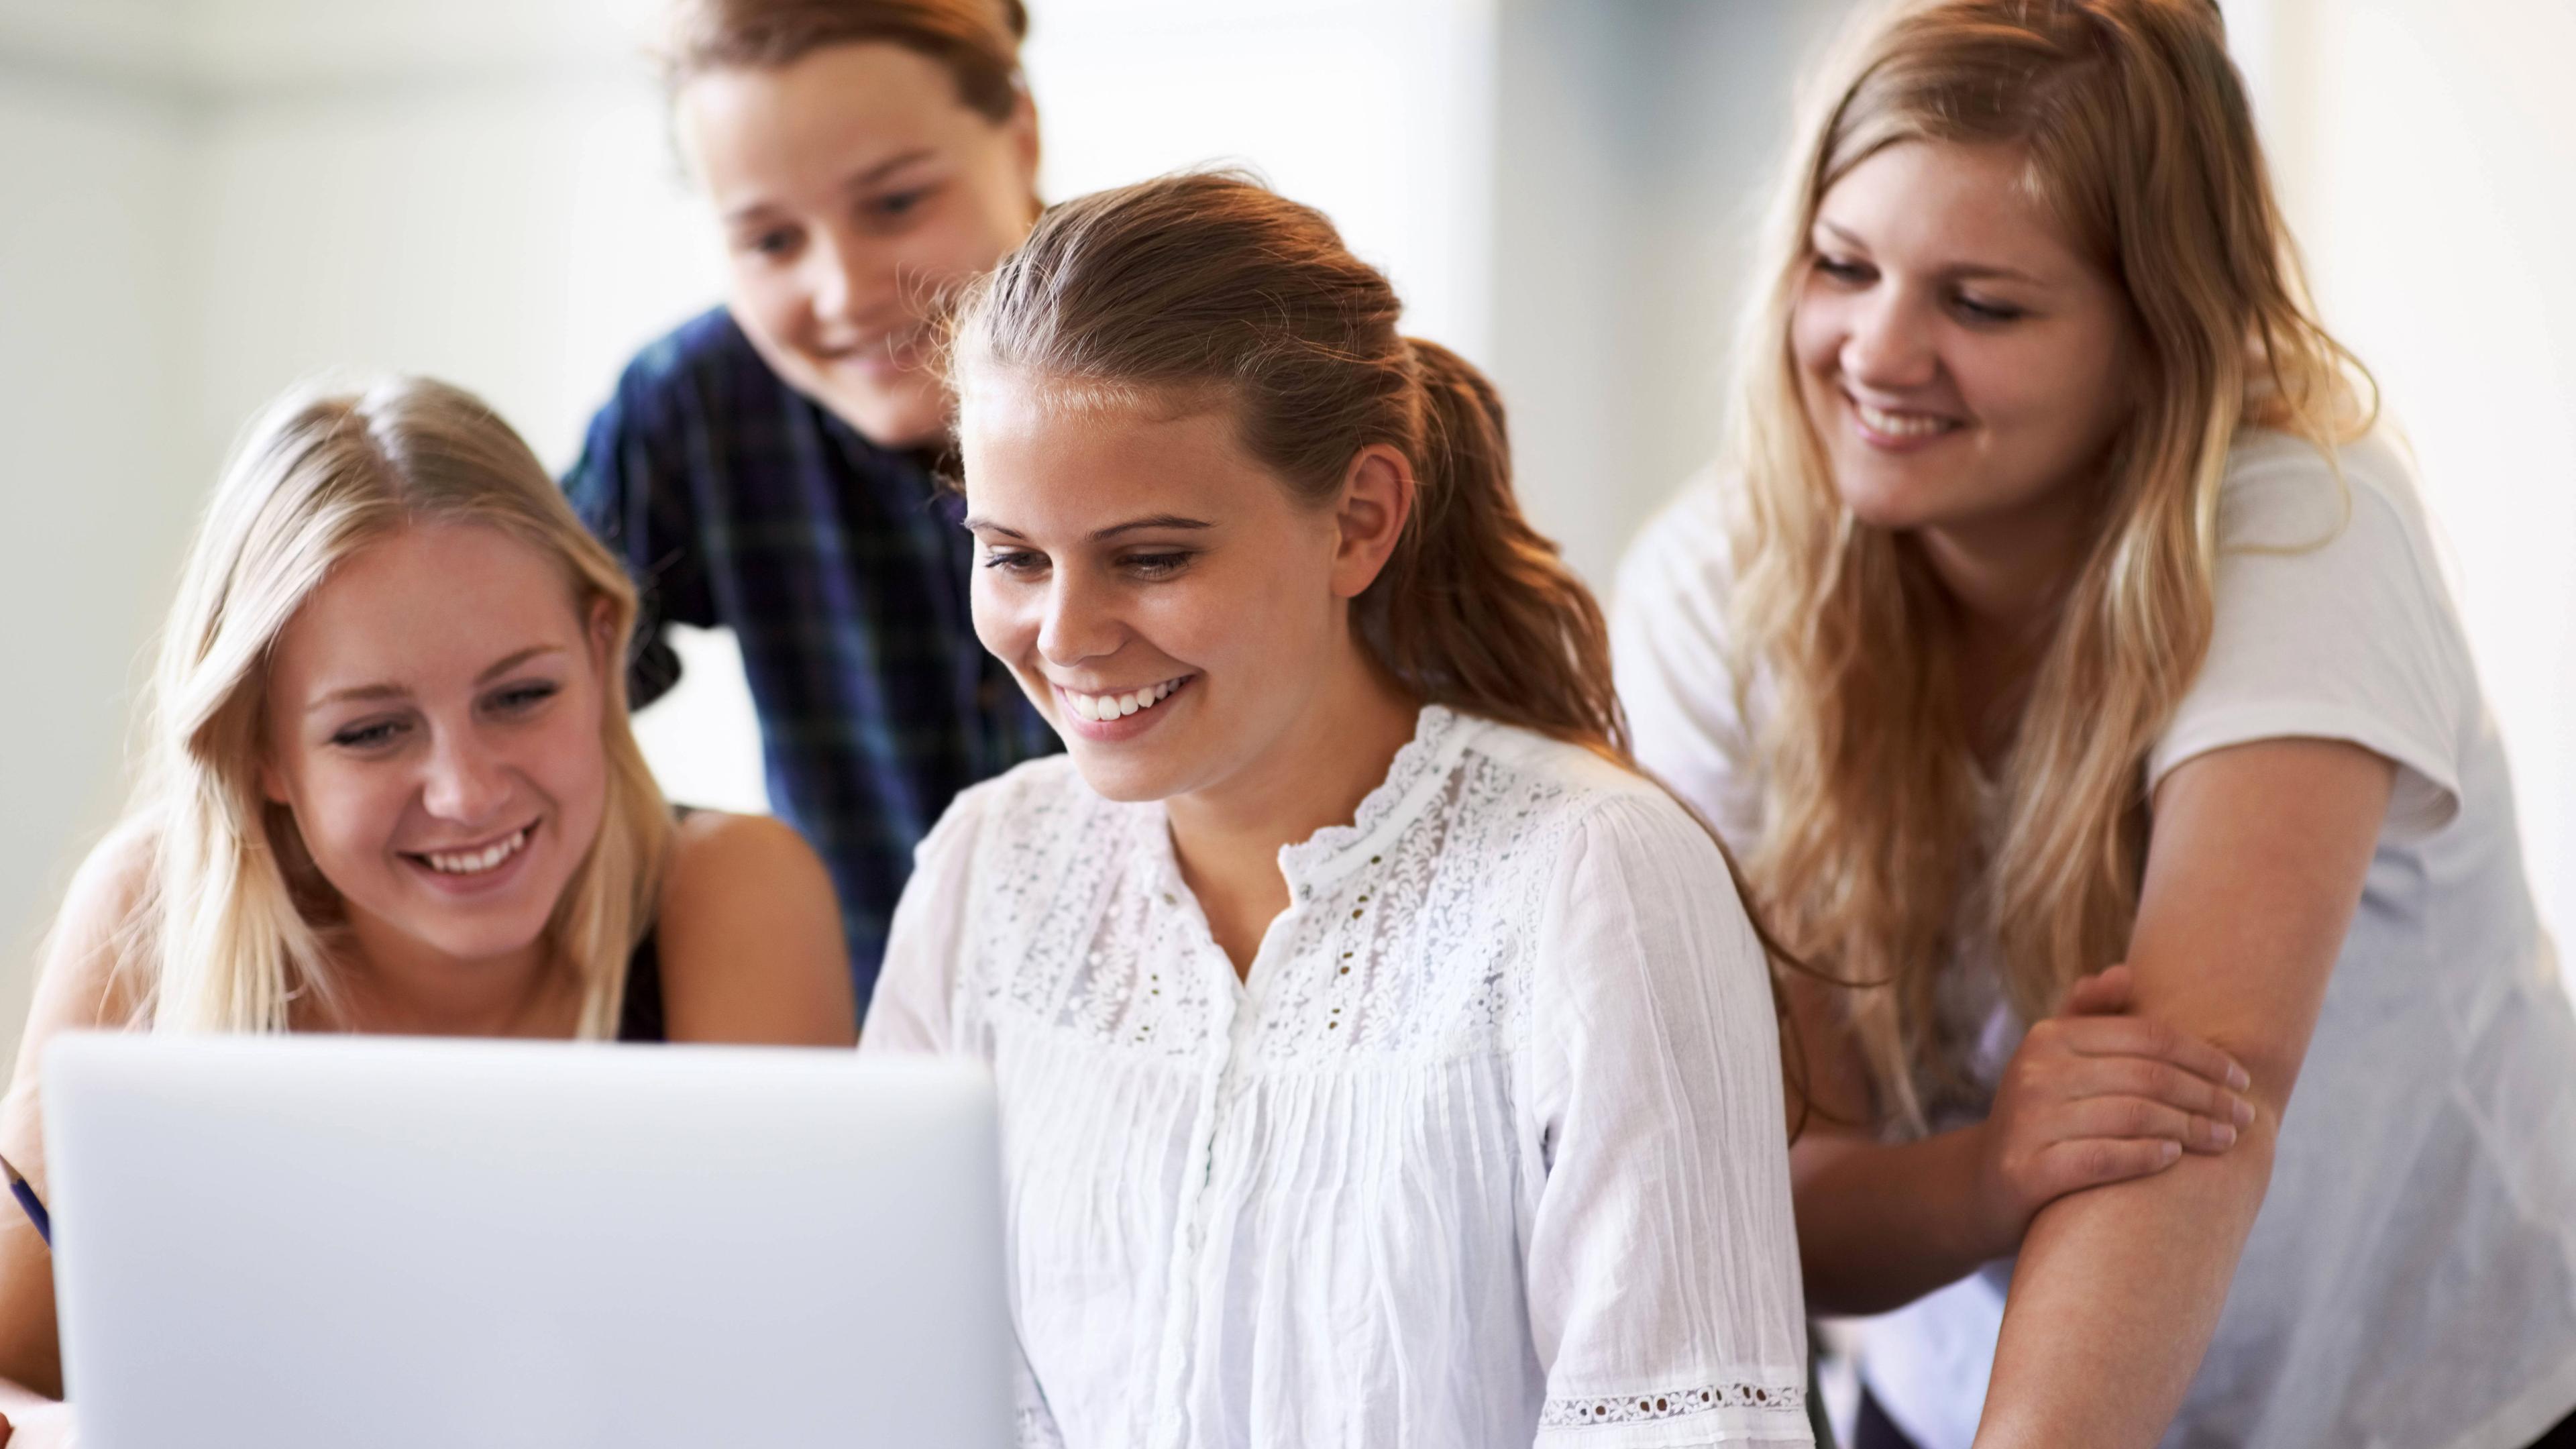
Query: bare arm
{"points": [[2094, 1095], [2253, 875], [750, 936], [80, 984]]}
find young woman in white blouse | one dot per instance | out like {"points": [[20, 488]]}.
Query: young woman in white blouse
{"points": [[2061, 607], [1382, 1061]]}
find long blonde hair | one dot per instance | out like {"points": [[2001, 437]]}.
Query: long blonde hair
{"points": [[2139, 140], [235, 924]]}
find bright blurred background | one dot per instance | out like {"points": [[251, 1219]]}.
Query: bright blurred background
{"points": [[203, 200]]}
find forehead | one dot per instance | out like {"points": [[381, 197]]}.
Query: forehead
{"points": [[1044, 458], [837, 107], [1943, 204], [430, 603]]}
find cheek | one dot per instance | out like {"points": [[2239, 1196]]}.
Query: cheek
{"points": [[1816, 331], [348, 812], [769, 303]]}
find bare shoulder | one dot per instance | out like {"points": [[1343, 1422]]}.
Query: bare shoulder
{"points": [[750, 936], [85, 978], [84, 975]]}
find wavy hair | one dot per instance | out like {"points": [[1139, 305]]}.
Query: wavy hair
{"points": [[235, 924], [2139, 140]]}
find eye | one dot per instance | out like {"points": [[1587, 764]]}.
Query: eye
{"points": [[1157, 565], [371, 735], [775, 243], [896, 207], [1015, 561], [1844, 270], [520, 698], [1983, 311]]}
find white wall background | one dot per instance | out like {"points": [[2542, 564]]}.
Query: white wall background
{"points": [[2427, 153], [201, 200]]}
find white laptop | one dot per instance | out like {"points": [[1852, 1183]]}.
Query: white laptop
{"points": [[327, 1243]]}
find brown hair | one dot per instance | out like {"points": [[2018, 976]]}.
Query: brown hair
{"points": [[1211, 281], [978, 41], [2139, 139]]}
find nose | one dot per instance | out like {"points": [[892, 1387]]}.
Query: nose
{"points": [[1079, 621], [1890, 346], [844, 281], [465, 781]]}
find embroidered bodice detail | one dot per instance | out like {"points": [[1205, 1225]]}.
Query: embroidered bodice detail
{"points": [[1511, 1026]]}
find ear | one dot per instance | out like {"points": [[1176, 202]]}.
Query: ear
{"points": [[603, 634], [1377, 499], [272, 780], [1023, 126]]}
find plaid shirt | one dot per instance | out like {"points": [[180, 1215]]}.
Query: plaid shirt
{"points": [[739, 502]]}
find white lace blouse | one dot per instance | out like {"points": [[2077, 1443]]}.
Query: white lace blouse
{"points": [[1486, 1148]]}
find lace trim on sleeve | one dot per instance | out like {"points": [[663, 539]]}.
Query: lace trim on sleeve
{"points": [[1645, 1408]]}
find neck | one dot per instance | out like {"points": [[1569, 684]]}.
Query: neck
{"points": [[1228, 839], [2007, 577], [397, 985]]}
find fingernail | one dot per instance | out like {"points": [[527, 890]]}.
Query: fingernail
{"points": [[2222, 1134], [2244, 1112], [2169, 1150], [2236, 1077]]}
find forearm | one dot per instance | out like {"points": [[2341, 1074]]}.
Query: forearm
{"points": [[2114, 1299], [1880, 1225]]}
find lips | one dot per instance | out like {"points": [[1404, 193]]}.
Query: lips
{"points": [[1900, 426], [1116, 704], [468, 862]]}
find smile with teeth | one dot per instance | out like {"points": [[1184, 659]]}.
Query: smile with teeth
{"points": [[475, 862], [1901, 425], [1098, 707]]}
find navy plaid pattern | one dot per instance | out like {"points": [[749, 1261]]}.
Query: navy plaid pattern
{"points": [[737, 501]]}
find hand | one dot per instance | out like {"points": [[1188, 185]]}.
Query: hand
{"points": [[2096, 1096]]}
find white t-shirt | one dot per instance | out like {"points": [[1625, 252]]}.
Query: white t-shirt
{"points": [[2411, 1280], [1486, 1149]]}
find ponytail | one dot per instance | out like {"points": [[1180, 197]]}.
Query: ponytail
{"points": [[1477, 610]]}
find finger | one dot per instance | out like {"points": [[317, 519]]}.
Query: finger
{"points": [[2103, 994], [2114, 1076], [2137, 1117], [2144, 1036], [2066, 1167]]}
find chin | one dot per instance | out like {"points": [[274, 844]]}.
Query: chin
{"points": [[1127, 781], [911, 416]]}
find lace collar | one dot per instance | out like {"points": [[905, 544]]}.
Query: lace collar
{"points": [[1413, 781]]}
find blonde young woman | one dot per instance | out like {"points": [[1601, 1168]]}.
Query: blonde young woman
{"points": [[1378, 1064], [389, 787], [2061, 607]]}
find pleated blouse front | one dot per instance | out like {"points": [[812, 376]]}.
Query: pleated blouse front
{"points": [[1486, 1148]]}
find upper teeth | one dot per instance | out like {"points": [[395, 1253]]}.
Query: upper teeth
{"points": [[1097, 707], [1899, 425], [474, 862]]}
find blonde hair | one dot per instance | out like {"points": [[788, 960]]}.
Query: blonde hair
{"points": [[2139, 141], [235, 924]]}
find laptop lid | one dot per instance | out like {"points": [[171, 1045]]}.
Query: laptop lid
{"points": [[327, 1242]]}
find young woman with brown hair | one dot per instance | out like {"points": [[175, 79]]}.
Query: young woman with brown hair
{"points": [[1383, 1061], [768, 467], [2061, 607]]}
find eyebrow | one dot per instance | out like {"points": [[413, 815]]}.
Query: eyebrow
{"points": [[856, 181], [367, 692], [1965, 272], [1133, 525]]}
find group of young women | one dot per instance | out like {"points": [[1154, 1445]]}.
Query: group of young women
{"points": [[1427, 1012]]}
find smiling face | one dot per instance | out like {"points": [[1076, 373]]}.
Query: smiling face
{"points": [[1961, 363], [434, 714], [1176, 614], [855, 190]]}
